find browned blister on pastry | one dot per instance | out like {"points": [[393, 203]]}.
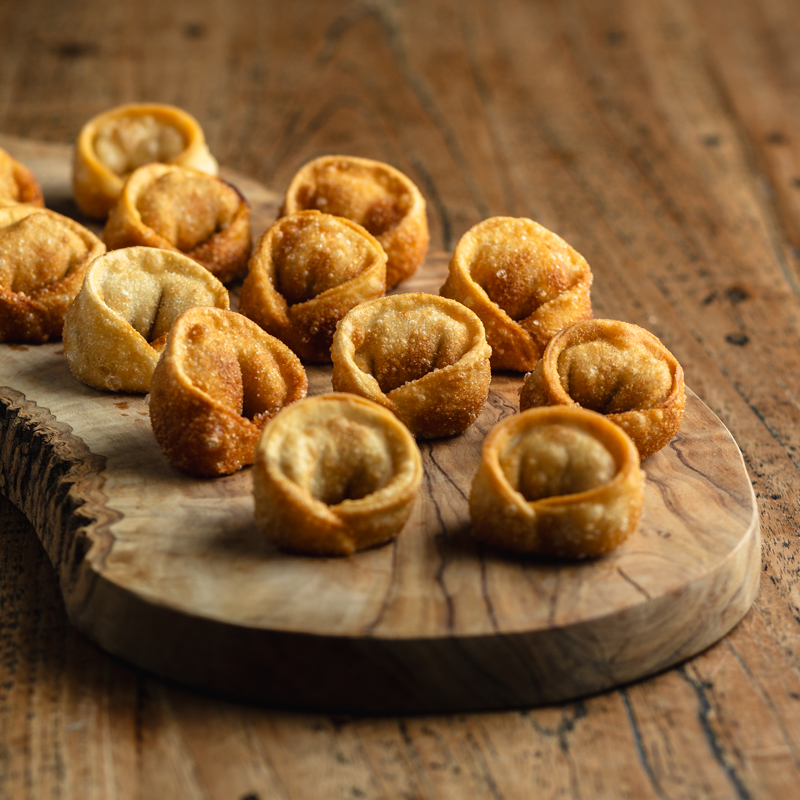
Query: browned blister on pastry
{"points": [[617, 369], [218, 380], [182, 209], [117, 326], [334, 474], [43, 258], [423, 357], [115, 143], [559, 481], [379, 197], [524, 282], [307, 272], [17, 183]]}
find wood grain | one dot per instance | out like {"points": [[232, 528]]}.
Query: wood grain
{"points": [[170, 572], [660, 139]]}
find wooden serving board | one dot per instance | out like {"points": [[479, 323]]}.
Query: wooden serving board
{"points": [[170, 572]]}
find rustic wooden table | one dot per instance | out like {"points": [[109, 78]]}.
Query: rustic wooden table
{"points": [[660, 139]]}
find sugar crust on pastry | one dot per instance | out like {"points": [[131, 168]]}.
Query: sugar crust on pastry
{"points": [[17, 183], [617, 369], [334, 474], [116, 328], [43, 258], [113, 144], [374, 194], [306, 273], [177, 208], [422, 356], [523, 281], [218, 381], [559, 481]]}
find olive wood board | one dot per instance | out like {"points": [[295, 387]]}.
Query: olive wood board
{"points": [[171, 573]]}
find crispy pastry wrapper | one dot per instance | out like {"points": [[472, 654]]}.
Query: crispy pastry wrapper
{"points": [[116, 328], [307, 272], [523, 281], [113, 144], [559, 482], [218, 381], [377, 196], [334, 474], [43, 259], [17, 183], [617, 369], [423, 357], [191, 212]]}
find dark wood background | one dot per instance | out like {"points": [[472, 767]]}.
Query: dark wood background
{"points": [[661, 139]]}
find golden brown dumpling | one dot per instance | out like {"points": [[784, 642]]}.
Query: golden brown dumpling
{"points": [[377, 196], [423, 357], [43, 258], [559, 481], [17, 183], [334, 474], [524, 282], [617, 369], [116, 328], [219, 379], [113, 144], [181, 209], [307, 272]]}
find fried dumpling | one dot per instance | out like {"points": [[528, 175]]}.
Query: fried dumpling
{"points": [[176, 208], [307, 272], [17, 183], [43, 258], [617, 369], [423, 357], [334, 474], [218, 380], [560, 481], [117, 326], [523, 281]]}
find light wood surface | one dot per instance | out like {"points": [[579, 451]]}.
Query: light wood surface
{"points": [[659, 139], [171, 573]]}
